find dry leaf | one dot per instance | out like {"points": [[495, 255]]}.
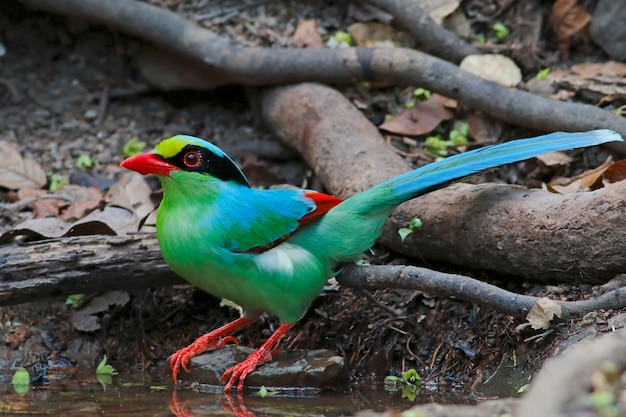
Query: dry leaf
{"points": [[110, 221], [493, 67], [133, 193], [568, 20], [306, 35], [82, 201], [420, 119], [379, 35], [542, 313], [551, 159], [606, 69], [17, 172], [616, 172], [589, 179], [85, 318], [440, 9], [484, 128]]}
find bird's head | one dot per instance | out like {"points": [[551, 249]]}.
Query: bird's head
{"points": [[184, 153]]}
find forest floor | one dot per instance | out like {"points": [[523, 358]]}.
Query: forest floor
{"points": [[52, 78]]}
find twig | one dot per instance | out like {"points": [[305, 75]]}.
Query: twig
{"points": [[436, 39], [469, 289]]}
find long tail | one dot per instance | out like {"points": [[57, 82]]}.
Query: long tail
{"points": [[353, 226], [441, 173]]}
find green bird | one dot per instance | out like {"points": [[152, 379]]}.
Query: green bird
{"points": [[273, 250]]}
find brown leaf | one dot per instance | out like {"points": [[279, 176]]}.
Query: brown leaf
{"points": [[85, 318], [590, 179], [379, 35], [17, 172], [17, 336], [616, 172], [420, 119], [49, 207], [483, 128], [306, 35], [568, 19], [542, 313], [83, 200], [606, 69], [555, 158], [110, 221], [133, 193]]}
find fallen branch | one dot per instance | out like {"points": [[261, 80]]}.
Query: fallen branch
{"points": [[528, 233], [81, 264], [86, 264], [469, 289], [432, 36], [228, 63]]}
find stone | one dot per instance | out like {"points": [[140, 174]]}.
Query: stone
{"points": [[318, 369]]}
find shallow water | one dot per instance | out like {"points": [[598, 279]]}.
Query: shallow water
{"points": [[144, 395]]}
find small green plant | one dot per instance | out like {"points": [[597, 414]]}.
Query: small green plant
{"points": [[409, 382], [21, 381], [543, 74], [421, 94], [264, 392], [158, 388], [438, 146], [84, 161], [105, 369], [133, 147], [73, 299], [500, 31], [339, 40], [104, 373], [55, 181], [415, 223]]}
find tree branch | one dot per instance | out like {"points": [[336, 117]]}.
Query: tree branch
{"points": [[262, 66]]}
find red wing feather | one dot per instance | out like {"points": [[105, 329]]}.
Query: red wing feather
{"points": [[323, 203]]}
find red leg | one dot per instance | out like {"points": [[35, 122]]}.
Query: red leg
{"points": [[261, 355], [213, 339]]}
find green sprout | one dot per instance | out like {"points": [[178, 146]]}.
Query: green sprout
{"points": [[73, 299], [104, 373], [55, 181], [84, 161], [339, 40], [133, 147], [21, 381], [543, 74], [410, 383], [501, 31], [264, 392], [415, 223], [421, 94]]}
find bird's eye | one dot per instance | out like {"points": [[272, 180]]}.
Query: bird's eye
{"points": [[192, 159]]}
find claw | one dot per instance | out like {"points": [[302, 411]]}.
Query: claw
{"points": [[239, 372], [212, 340]]}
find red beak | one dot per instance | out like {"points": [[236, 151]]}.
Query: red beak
{"points": [[148, 163]]}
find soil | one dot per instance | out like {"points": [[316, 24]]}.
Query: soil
{"points": [[69, 88]]}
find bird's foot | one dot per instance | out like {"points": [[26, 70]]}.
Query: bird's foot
{"points": [[241, 370], [263, 354], [181, 358]]}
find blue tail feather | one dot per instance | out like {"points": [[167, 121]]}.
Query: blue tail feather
{"points": [[440, 173]]}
